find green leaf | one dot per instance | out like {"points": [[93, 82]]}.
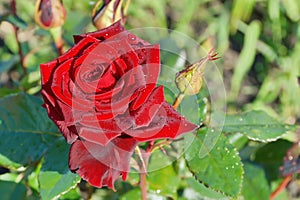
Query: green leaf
{"points": [[72, 194], [256, 125], [11, 190], [23, 127], [7, 91], [274, 9], [164, 181], [132, 194], [221, 169], [246, 57], [202, 191], [8, 64], [292, 9], [255, 185], [55, 178], [270, 156], [17, 21]]}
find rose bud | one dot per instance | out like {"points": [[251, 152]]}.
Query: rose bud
{"points": [[110, 12], [49, 13], [189, 81], [103, 97]]}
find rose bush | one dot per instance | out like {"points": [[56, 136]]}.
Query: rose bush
{"points": [[102, 95]]}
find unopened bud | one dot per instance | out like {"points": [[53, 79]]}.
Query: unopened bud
{"points": [[189, 81], [49, 13], [110, 12]]}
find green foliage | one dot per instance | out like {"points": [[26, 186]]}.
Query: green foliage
{"points": [[256, 125], [221, 169], [257, 183], [11, 190], [55, 178], [24, 124]]}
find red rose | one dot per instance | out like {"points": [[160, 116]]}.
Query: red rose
{"points": [[102, 95]]}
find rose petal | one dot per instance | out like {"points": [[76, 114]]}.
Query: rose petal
{"points": [[101, 165], [142, 94], [96, 135], [167, 123], [144, 115], [117, 124], [102, 34], [57, 81]]}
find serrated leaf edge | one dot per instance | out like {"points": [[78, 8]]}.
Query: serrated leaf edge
{"points": [[216, 190]]}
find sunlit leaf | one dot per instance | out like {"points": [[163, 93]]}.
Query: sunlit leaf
{"points": [[55, 178], [221, 169], [256, 125], [164, 181], [255, 185]]}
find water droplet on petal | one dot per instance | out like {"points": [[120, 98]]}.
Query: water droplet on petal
{"points": [[131, 38]]}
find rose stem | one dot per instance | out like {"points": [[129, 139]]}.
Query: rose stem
{"points": [[178, 100], [14, 12], [58, 40], [144, 160], [143, 171], [281, 187], [143, 186]]}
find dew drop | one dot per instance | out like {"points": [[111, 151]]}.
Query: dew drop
{"points": [[141, 56], [226, 168], [131, 38], [241, 119]]}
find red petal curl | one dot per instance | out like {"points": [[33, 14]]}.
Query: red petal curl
{"points": [[99, 165]]}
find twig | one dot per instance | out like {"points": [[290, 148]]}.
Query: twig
{"points": [[16, 29], [58, 40], [143, 173], [281, 187], [143, 186], [178, 100]]}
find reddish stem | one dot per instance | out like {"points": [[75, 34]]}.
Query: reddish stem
{"points": [[281, 187], [60, 46], [22, 58], [143, 164], [143, 186], [151, 146], [178, 100]]}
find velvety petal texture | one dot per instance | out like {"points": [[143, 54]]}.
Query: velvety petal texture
{"points": [[102, 165], [103, 97]]}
